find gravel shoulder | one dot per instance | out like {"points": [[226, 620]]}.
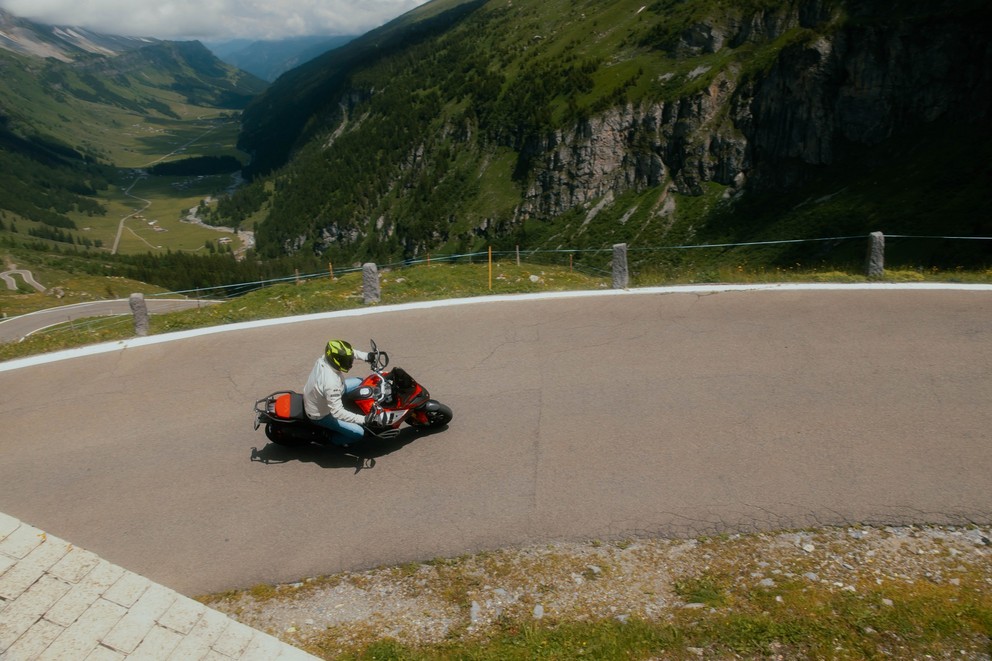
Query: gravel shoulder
{"points": [[467, 597]]}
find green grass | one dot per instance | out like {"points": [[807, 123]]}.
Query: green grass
{"points": [[817, 623], [884, 605], [426, 282], [405, 285]]}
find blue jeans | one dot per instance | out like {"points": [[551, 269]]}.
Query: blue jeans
{"points": [[344, 433]]}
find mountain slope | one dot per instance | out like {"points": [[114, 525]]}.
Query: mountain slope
{"points": [[63, 43], [577, 123], [284, 117], [64, 90]]}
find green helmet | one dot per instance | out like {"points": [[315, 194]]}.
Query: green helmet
{"points": [[340, 355]]}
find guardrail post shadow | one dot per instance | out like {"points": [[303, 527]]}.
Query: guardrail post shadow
{"points": [[371, 288], [621, 276], [875, 262], [140, 311]]}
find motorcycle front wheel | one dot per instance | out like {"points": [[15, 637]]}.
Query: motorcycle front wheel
{"points": [[438, 415]]}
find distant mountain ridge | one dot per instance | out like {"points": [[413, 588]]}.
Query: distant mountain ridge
{"points": [[269, 59], [63, 88], [71, 56], [64, 43]]}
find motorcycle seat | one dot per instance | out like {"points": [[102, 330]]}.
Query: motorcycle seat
{"points": [[290, 406]]}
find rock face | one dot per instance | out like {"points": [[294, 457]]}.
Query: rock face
{"points": [[755, 96], [830, 87]]}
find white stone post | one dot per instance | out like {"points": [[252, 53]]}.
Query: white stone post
{"points": [[140, 311], [875, 263], [371, 289], [621, 277]]}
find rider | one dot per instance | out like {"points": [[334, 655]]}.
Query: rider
{"points": [[326, 385]]}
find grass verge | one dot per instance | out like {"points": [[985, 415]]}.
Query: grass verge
{"points": [[418, 283], [834, 593]]}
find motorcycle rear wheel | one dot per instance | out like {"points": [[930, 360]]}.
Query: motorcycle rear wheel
{"points": [[280, 437]]}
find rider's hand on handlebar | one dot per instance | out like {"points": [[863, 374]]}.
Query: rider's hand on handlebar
{"points": [[376, 418]]}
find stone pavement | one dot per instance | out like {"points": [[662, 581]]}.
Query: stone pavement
{"points": [[59, 602]]}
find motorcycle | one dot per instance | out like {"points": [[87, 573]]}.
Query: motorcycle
{"points": [[394, 397]]}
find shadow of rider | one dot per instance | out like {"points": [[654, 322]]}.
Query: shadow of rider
{"points": [[357, 457]]}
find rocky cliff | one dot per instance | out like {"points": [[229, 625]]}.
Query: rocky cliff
{"points": [[517, 122], [840, 81]]}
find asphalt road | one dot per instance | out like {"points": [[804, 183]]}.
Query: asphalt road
{"points": [[11, 283], [582, 418], [15, 328]]}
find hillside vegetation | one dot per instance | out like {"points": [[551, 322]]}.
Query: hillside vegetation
{"points": [[76, 126], [577, 124], [559, 125]]}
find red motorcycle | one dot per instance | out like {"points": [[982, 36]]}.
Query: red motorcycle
{"points": [[394, 397]]}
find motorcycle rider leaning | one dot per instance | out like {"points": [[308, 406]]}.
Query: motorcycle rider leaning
{"points": [[326, 385]]}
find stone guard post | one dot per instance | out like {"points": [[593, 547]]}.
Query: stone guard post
{"points": [[621, 277], [140, 311], [875, 263], [371, 289]]}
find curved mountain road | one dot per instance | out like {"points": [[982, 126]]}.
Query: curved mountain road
{"points": [[16, 328], [575, 418], [11, 284]]}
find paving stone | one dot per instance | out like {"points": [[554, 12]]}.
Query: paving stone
{"points": [[30, 568], [140, 619], [215, 656], [157, 645], [85, 593], [200, 639], [182, 615], [24, 612], [34, 641], [290, 653], [233, 640], [263, 646], [83, 635], [8, 524], [6, 562], [105, 654], [76, 564], [58, 602], [127, 590], [21, 541]]}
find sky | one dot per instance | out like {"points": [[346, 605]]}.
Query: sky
{"points": [[214, 20]]}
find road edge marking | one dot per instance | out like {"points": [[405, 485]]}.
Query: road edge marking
{"points": [[136, 342]]}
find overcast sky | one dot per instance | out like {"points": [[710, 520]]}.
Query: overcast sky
{"points": [[214, 20]]}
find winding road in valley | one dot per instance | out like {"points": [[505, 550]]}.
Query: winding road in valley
{"points": [[17, 328], [11, 283], [674, 412]]}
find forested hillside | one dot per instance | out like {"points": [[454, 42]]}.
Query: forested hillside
{"points": [[63, 117], [86, 120], [580, 123]]}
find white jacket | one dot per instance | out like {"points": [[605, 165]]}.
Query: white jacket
{"points": [[322, 394]]}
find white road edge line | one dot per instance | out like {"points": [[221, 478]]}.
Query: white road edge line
{"points": [[680, 289]]}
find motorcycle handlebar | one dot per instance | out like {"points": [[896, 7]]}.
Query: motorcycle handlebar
{"points": [[378, 360]]}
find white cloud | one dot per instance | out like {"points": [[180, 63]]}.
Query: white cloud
{"points": [[214, 19]]}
